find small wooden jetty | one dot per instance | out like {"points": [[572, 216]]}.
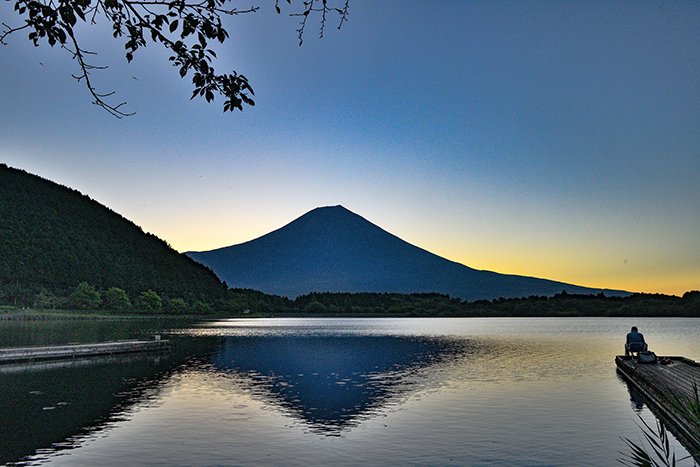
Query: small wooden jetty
{"points": [[667, 387], [24, 354]]}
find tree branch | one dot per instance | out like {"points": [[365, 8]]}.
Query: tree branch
{"points": [[85, 67], [189, 26], [9, 30], [324, 9]]}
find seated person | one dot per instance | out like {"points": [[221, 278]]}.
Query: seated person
{"points": [[635, 341]]}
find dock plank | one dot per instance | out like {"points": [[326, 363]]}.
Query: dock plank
{"points": [[678, 373], [20, 354], [676, 376]]}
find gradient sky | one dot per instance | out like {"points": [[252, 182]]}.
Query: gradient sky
{"points": [[544, 138]]}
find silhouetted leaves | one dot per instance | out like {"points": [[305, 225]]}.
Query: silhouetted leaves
{"points": [[184, 27]]}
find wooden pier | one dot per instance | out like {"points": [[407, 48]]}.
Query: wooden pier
{"points": [[666, 389], [24, 354]]}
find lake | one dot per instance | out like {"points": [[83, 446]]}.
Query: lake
{"points": [[288, 391]]}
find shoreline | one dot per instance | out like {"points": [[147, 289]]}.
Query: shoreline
{"points": [[83, 315]]}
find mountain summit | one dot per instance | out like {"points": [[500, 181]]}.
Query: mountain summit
{"points": [[331, 249]]}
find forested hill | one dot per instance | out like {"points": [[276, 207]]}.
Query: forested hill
{"points": [[53, 237]]}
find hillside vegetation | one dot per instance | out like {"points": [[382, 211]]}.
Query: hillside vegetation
{"points": [[52, 238]]}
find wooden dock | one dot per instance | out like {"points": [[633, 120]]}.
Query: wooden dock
{"points": [[24, 354], [665, 387]]}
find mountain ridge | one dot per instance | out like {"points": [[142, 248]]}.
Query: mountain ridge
{"points": [[332, 249]]}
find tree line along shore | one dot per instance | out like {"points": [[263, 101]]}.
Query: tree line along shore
{"points": [[87, 300]]}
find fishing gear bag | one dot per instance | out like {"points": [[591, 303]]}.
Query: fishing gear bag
{"points": [[647, 357]]}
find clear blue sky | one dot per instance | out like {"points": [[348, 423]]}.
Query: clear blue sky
{"points": [[548, 138]]}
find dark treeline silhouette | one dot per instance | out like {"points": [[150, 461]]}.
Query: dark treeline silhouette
{"points": [[246, 302], [562, 304]]}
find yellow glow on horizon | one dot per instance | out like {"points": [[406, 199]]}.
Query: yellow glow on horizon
{"points": [[588, 273], [584, 265]]}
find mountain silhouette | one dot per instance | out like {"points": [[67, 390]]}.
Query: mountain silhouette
{"points": [[331, 249]]}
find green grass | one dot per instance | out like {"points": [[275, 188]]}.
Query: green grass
{"points": [[653, 451], [33, 314], [38, 315], [688, 407], [693, 407]]}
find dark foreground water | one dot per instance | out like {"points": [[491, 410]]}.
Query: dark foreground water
{"points": [[333, 392]]}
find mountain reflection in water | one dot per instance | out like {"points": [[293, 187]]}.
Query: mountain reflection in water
{"points": [[333, 382], [338, 392], [327, 382]]}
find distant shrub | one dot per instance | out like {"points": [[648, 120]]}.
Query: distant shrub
{"points": [[84, 297], [46, 300], [200, 307], [315, 307], [150, 302], [177, 306], [116, 299]]}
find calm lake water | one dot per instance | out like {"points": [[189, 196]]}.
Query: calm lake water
{"points": [[413, 391]]}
